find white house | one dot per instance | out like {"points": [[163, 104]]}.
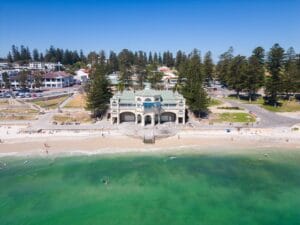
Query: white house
{"points": [[58, 79], [147, 107], [82, 75], [44, 65]]}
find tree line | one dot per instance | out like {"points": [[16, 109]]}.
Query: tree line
{"points": [[277, 71], [191, 77], [24, 55]]}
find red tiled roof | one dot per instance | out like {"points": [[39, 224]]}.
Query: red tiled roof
{"points": [[57, 74]]}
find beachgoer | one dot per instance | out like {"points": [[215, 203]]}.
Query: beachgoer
{"points": [[46, 145]]}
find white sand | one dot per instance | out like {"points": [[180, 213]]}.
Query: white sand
{"points": [[15, 142]]}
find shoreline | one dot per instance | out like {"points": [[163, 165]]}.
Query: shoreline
{"points": [[93, 143]]}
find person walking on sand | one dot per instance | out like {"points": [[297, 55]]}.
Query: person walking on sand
{"points": [[46, 145], [46, 148]]}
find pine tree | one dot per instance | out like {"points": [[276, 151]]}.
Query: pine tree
{"points": [[255, 73], [82, 56], [23, 54], [224, 65], [99, 92], [35, 55], [10, 58], [160, 61], [126, 60], [38, 79], [6, 80], [297, 79], [150, 59], [23, 76], [208, 67], [178, 59], [237, 74], [275, 67], [59, 55], [289, 76], [92, 58], [193, 90], [28, 55], [42, 59], [155, 58], [102, 57], [15, 53], [153, 76], [113, 62]]}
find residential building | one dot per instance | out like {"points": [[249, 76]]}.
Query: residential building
{"points": [[44, 66], [58, 79], [82, 75]]}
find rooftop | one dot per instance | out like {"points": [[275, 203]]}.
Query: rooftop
{"points": [[57, 74], [167, 96]]}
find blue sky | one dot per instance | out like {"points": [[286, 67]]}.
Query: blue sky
{"points": [[150, 25]]}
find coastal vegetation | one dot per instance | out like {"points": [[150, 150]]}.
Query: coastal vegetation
{"points": [[98, 91], [276, 71]]}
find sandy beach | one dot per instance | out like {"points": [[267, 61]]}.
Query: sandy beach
{"points": [[86, 142]]}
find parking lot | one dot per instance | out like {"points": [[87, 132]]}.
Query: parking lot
{"points": [[36, 93]]}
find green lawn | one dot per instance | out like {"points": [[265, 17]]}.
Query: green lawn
{"points": [[234, 118], [287, 106], [242, 100], [214, 102]]}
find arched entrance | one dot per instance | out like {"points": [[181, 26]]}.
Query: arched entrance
{"points": [[139, 118], [127, 117], [167, 117], [148, 119]]}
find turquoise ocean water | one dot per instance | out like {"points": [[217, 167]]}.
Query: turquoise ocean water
{"points": [[188, 189]]}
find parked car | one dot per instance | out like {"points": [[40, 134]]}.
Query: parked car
{"points": [[21, 95], [7, 95], [27, 95]]}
